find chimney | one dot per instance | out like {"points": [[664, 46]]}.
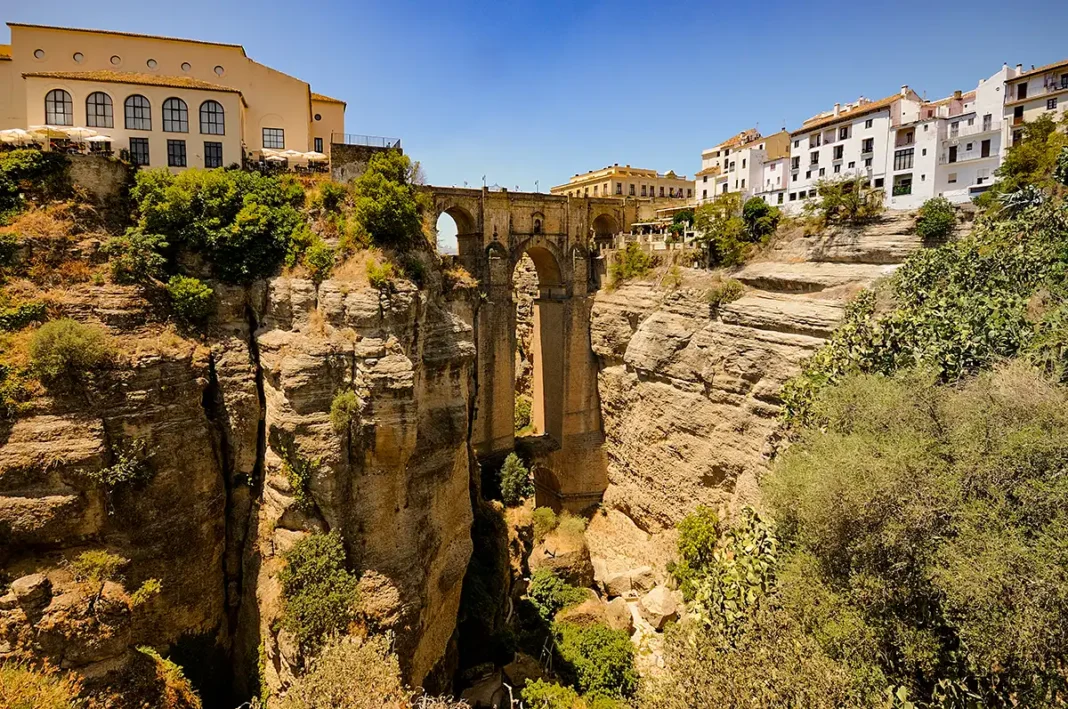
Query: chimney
{"points": [[837, 109], [904, 89], [957, 94], [1019, 69]]}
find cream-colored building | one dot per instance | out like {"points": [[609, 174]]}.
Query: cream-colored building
{"points": [[748, 163], [1030, 93], [626, 181], [170, 102]]}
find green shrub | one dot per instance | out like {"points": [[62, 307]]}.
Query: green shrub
{"points": [[191, 299], [542, 694], [31, 173], [936, 219], [66, 348], [725, 291], [934, 516], [24, 686], [387, 206], [760, 218], [9, 249], [631, 262], [130, 466], [549, 594], [146, 592], [722, 231], [319, 260], [599, 659], [18, 317], [349, 674], [698, 535], [570, 525], [14, 391], [850, 201], [136, 257], [523, 406], [240, 222], [299, 472], [318, 589], [332, 195], [545, 521], [344, 410], [97, 566], [515, 480], [175, 690], [380, 275]]}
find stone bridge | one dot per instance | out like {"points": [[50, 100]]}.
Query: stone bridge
{"points": [[494, 230]]}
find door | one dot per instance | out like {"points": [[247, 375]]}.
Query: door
{"points": [[1021, 91], [984, 149], [953, 153]]}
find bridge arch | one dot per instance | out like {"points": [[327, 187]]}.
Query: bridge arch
{"points": [[605, 226]]}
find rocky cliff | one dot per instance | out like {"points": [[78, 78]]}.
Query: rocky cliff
{"points": [[220, 421], [689, 391]]}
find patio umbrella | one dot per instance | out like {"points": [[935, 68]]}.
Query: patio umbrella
{"points": [[79, 133], [274, 158], [293, 155], [271, 152], [314, 156], [98, 139], [48, 131], [14, 135]]}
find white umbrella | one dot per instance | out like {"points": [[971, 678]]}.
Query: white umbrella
{"points": [[314, 156], [14, 135], [292, 155], [79, 132], [98, 139], [270, 151], [48, 131], [274, 158]]}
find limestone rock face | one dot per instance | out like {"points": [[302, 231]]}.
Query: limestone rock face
{"points": [[689, 394], [220, 419], [567, 555]]}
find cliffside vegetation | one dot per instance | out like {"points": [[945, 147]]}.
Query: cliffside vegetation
{"points": [[914, 551]]}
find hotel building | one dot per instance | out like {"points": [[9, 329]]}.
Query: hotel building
{"points": [[626, 181]]}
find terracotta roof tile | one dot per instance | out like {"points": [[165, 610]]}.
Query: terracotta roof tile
{"points": [[326, 99], [871, 106], [1041, 69], [132, 77]]}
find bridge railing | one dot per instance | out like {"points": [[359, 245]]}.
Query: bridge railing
{"points": [[371, 141]]}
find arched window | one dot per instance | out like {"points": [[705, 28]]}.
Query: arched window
{"points": [[98, 111], [138, 113], [212, 118], [175, 116], [59, 109]]}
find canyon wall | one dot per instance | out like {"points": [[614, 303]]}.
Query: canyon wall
{"points": [[689, 391], [220, 421]]}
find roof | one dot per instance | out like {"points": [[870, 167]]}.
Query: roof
{"points": [[862, 109], [738, 139], [1040, 70], [326, 99], [126, 34], [133, 77], [707, 171]]}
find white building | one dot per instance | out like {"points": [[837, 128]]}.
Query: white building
{"points": [[849, 141], [740, 165], [1029, 94]]}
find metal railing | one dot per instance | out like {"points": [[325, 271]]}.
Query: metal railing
{"points": [[371, 141]]}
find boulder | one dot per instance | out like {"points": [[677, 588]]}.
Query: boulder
{"points": [[567, 556], [658, 607], [521, 670], [618, 616], [642, 579], [617, 584], [33, 592], [589, 612]]}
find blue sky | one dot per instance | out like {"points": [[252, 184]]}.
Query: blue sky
{"points": [[537, 91]]}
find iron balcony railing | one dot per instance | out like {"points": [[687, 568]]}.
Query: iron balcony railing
{"points": [[372, 141]]}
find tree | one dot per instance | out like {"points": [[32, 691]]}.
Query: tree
{"points": [[387, 206], [721, 230], [761, 219], [515, 481]]}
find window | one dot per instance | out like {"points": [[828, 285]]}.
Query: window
{"points": [[138, 114], [793, 196], [903, 158], [1064, 81], [780, 198], [1051, 104], [274, 138], [704, 194], [212, 118], [731, 166], [219, 71], [743, 183], [1021, 91], [971, 121], [595, 188], [743, 163], [879, 182], [59, 109], [175, 116], [869, 123], [661, 191], [643, 190], [212, 154], [38, 54], [795, 163], [953, 153], [773, 166], [837, 169], [186, 67], [814, 158], [99, 112], [954, 129], [984, 148], [116, 60], [952, 178], [176, 153], [797, 143], [823, 171], [868, 146], [318, 145], [79, 57], [151, 64], [689, 192], [139, 151], [808, 174], [839, 152], [619, 188], [968, 147], [1017, 135], [843, 132], [927, 125], [852, 164], [631, 190], [815, 140], [867, 162]]}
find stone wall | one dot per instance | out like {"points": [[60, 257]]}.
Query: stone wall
{"points": [[102, 178], [347, 162]]}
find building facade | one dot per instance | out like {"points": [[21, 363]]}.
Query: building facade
{"points": [[743, 164], [626, 181], [171, 102], [1030, 93]]}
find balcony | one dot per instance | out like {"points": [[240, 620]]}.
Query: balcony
{"points": [[369, 141], [944, 159], [905, 141], [966, 131]]}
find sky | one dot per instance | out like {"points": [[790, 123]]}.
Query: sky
{"points": [[530, 93]]}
